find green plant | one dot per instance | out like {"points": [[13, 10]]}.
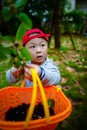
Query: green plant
{"points": [[13, 19], [14, 55]]}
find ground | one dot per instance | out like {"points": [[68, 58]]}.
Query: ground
{"points": [[73, 67]]}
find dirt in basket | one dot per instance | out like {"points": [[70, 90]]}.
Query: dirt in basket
{"points": [[19, 113]]}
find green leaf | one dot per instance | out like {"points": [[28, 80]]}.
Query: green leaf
{"points": [[2, 56], [6, 13], [51, 102], [17, 62], [24, 18], [20, 4], [26, 54], [7, 38], [24, 26], [21, 31], [4, 52]]}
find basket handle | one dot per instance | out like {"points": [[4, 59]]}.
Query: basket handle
{"points": [[36, 80], [23, 82]]}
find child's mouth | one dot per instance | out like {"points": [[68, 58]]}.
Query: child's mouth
{"points": [[39, 57]]}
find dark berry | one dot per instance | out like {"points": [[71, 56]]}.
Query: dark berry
{"points": [[19, 113], [51, 111]]}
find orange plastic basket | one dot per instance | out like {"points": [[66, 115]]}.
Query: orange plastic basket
{"points": [[13, 96]]}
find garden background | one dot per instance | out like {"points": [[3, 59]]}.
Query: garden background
{"points": [[67, 46]]}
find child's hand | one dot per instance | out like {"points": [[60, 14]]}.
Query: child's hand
{"points": [[27, 71], [16, 72]]}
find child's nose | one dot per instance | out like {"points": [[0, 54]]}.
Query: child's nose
{"points": [[38, 49]]}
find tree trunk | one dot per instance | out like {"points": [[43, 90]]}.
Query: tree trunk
{"points": [[55, 25]]}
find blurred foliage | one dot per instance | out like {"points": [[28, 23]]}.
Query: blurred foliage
{"points": [[40, 12], [26, 14], [75, 21], [13, 21]]}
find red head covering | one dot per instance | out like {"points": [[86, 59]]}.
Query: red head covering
{"points": [[27, 37]]}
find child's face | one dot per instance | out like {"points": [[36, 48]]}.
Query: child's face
{"points": [[38, 50]]}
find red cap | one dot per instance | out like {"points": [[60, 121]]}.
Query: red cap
{"points": [[27, 37]]}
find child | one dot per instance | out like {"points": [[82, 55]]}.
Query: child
{"points": [[36, 42]]}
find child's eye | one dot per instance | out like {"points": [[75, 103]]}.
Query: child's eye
{"points": [[42, 45], [32, 47]]}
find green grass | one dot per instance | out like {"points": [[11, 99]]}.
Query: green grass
{"points": [[73, 68]]}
